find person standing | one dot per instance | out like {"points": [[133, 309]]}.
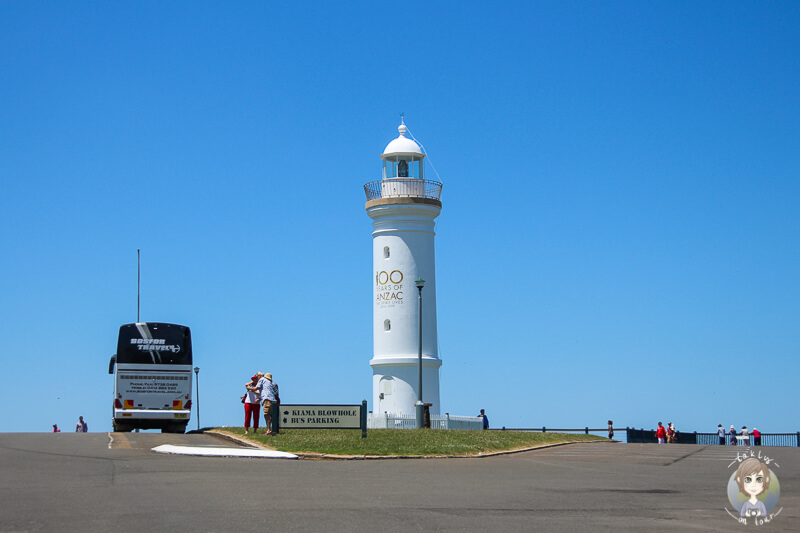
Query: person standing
{"points": [[671, 434], [269, 397], [721, 434], [661, 433], [82, 426], [745, 440], [756, 437], [732, 433], [252, 403], [485, 419], [610, 430]]}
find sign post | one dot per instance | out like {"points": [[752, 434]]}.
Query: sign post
{"points": [[310, 416]]}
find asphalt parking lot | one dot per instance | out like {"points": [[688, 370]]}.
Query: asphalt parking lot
{"points": [[102, 482]]}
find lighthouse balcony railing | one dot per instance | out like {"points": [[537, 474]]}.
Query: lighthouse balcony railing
{"points": [[403, 188], [401, 421]]}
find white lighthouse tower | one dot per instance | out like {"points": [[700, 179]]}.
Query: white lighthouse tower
{"points": [[403, 207]]}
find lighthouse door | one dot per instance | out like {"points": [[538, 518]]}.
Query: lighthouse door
{"points": [[387, 397]]}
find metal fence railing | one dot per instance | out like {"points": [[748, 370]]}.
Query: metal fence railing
{"points": [[403, 188], [446, 421], [628, 435], [456, 422], [632, 435], [780, 439], [619, 433]]}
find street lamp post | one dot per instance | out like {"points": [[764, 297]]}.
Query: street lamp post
{"points": [[420, 408], [197, 393]]}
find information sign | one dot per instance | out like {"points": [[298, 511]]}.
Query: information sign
{"points": [[328, 416]]}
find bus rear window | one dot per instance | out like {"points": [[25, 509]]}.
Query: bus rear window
{"points": [[154, 343]]}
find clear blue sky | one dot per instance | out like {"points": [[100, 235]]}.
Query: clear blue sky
{"points": [[620, 236]]}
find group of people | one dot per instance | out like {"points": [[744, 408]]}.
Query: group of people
{"points": [[741, 438], [666, 434], [261, 392], [669, 434], [82, 426]]}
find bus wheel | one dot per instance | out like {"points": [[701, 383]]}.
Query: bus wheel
{"points": [[119, 427]]}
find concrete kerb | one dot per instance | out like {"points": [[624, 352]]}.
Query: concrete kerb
{"points": [[237, 439], [333, 457]]}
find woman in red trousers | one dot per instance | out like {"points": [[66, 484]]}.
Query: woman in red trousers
{"points": [[252, 405]]}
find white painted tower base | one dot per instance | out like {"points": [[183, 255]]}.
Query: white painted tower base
{"points": [[394, 384]]}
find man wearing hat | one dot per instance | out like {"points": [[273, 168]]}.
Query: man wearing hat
{"points": [[269, 396]]}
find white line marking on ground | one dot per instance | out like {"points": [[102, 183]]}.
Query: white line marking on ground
{"points": [[222, 452]]}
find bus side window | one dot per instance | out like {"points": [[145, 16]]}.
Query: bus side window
{"points": [[111, 364]]}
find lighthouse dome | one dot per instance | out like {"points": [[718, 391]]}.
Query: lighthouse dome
{"points": [[402, 146]]}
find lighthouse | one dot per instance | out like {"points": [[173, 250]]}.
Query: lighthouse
{"points": [[403, 207]]}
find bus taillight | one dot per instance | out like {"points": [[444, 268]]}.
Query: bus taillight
{"points": [[188, 405], [118, 404]]}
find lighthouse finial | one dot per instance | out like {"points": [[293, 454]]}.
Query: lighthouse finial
{"points": [[402, 127]]}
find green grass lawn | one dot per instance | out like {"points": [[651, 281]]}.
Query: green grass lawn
{"points": [[406, 442]]}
